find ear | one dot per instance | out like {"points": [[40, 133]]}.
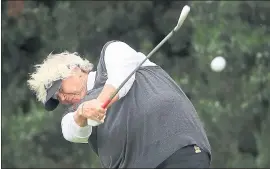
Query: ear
{"points": [[75, 68]]}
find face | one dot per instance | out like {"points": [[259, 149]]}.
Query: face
{"points": [[72, 89]]}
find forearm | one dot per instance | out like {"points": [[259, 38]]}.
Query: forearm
{"points": [[72, 131], [106, 93]]}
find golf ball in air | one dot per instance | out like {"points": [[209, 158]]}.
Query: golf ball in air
{"points": [[218, 64]]}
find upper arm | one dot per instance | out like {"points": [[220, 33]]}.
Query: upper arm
{"points": [[120, 60], [120, 55]]}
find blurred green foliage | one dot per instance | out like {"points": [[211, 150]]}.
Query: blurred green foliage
{"points": [[233, 104]]}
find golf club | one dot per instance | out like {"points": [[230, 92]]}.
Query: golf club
{"points": [[181, 19]]}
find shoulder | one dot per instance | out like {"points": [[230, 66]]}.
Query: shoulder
{"points": [[118, 47]]}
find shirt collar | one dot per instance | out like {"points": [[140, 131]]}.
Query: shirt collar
{"points": [[91, 80]]}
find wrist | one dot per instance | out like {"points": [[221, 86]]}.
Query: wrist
{"points": [[106, 94]]}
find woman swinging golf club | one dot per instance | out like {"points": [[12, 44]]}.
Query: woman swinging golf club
{"points": [[129, 110]]}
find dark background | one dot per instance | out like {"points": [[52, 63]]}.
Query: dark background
{"points": [[233, 104]]}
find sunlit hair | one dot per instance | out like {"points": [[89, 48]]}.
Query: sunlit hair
{"points": [[55, 67]]}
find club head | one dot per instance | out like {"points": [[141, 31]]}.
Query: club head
{"points": [[182, 17]]}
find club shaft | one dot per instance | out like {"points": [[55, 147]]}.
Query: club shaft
{"points": [[105, 104]]}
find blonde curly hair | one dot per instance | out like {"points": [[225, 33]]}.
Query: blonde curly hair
{"points": [[55, 67]]}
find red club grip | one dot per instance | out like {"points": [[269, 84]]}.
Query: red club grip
{"points": [[106, 104]]}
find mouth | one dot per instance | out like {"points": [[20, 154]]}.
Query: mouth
{"points": [[76, 100], [73, 101]]}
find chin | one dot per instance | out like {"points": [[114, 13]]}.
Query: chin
{"points": [[68, 103]]}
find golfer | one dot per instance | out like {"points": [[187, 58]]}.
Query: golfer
{"points": [[149, 124]]}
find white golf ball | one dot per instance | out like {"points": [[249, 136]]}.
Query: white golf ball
{"points": [[218, 64]]}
